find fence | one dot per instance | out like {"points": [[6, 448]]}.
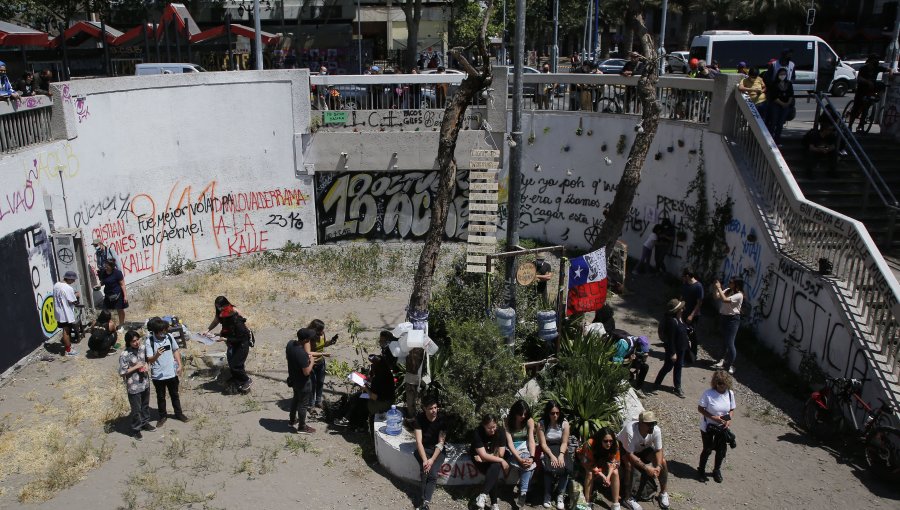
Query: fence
{"points": [[24, 122], [808, 232], [385, 92]]}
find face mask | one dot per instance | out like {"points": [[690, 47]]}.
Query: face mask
{"points": [[781, 77]]}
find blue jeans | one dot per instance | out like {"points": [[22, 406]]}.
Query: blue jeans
{"points": [[730, 325], [317, 376], [524, 475], [777, 116]]}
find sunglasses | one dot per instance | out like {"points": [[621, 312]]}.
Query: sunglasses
{"points": [[608, 441]]}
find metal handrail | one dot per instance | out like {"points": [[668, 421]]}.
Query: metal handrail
{"points": [[868, 293], [24, 122]]}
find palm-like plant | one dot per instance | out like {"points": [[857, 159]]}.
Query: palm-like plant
{"points": [[773, 11]]}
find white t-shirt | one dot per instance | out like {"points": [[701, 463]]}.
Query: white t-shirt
{"points": [[651, 240], [733, 305], [63, 299], [716, 404], [634, 442]]}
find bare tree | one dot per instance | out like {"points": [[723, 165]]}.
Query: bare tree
{"points": [[475, 81], [645, 132], [412, 9]]}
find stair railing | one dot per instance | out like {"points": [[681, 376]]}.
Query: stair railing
{"points": [[813, 234], [874, 180]]}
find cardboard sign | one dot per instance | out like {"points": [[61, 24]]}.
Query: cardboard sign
{"points": [[526, 273], [335, 116]]}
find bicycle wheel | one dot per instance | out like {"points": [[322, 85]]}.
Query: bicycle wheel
{"points": [[608, 105], [867, 119], [817, 421], [846, 113], [883, 453]]}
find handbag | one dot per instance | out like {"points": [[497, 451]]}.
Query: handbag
{"points": [[792, 113]]}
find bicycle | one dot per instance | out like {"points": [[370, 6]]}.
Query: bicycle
{"points": [[825, 416], [871, 113]]}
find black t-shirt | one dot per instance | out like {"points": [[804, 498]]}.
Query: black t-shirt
{"points": [[297, 360], [542, 267], [815, 138], [636, 68], [480, 439], [431, 430], [691, 294], [381, 381]]}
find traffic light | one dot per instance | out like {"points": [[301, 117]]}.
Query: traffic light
{"points": [[810, 17]]}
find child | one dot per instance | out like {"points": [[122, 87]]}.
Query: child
{"points": [[165, 363], [133, 369]]}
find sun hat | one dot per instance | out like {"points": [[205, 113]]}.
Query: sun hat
{"points": [[674, 305], [647, 417]]}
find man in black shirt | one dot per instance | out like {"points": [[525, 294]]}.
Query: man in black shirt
{"points": [[866, 86], [299, 368], [42, 83], [634, 67], [544, 272], [431, 433], [821, 145]]}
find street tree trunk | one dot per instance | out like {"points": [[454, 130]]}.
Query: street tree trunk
{"points": [[611, 228], [475, 81], [412, 10]]}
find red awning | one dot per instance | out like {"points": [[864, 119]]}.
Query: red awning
{"points": [[135, 35], [14, 35], [241, 30], [85, 29], [179, 15]]}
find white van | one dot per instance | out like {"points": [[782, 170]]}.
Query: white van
{"points": [[145, 69], [814, 61]]}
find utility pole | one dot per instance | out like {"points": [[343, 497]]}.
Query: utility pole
{"points": [[554, 53], [257, 37], [359, 36], [894, 48], [515, 154], [662, 38]]}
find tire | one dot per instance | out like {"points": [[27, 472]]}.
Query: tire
{"points": [[817, 421], [838, 89], [882, 451], [607, 105], [350, 104], [868, 117]]}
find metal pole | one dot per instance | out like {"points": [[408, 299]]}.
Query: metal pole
{"points": [[662, 38], [65, 51], [146, 41], [359, 36], [596, 45], [177, 34], [554, 53], [187, 39], [894, 48], [503, 39], [105, 47], [515, 154], [257, 37], [166, 39]]}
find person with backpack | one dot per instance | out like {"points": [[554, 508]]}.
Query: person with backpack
{"points": [[134, 371], [164, 357], [103, 335], [239, 339], [674, 336], [717, 407]]}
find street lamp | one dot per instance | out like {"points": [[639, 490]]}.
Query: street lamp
{"points": [[662, 38]]}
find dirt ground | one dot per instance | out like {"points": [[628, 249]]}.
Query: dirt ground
{"points": [[62, 421]]}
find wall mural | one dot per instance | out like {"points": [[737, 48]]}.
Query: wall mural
{"points": [[385, 205]]}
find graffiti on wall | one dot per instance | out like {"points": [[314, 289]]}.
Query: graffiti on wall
{"points": [[392, 120], [385, 205], [40, 265], [744, 260]]}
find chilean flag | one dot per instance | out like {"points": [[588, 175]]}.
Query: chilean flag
{"points": [[587, 282]]}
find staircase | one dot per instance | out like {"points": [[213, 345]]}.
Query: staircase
{"points": [[845, 190]]}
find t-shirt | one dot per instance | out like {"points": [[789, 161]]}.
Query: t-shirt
{"points": [[431, 430], [297, 360], [491, 444], [542, 267], [758, 95], [63, 299], [586, 454], [691, 294], [111, 281], [135, 382], [104, 254], [651, 240], [733, 305], [164, 367], [717, 404], [633, 442], [318, 345]]}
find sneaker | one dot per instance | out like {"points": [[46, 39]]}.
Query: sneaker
{"points": [[560, 502], [717, 476], [137, 435], [148, 427], [306, 430], [292, 422], [495, 506], [161, 421], [615, 506], [341, 422], [481, 500], [679, 393], [719, 364], [182, 418], [731, 370], [246, 385], [72, 352], [424, 506], [664, 500], [701, 475], [520, 501], [547, 504], [633, 504]]}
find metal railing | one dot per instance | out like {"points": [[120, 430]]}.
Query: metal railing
{"points": [[687, 99], [24, 122], [807, 232], [385, 92]]}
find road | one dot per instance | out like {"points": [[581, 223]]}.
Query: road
{"points": [[806, 111]]}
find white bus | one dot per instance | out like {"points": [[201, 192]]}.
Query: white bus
{"points": [[814, 60]]}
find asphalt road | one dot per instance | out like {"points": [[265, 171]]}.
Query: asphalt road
{"points": [[806, 111]]}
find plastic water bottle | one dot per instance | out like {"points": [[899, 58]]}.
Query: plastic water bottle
{"points": [[394, 422], [547, 325]]}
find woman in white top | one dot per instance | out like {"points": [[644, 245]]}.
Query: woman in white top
{"points": [[730, 302], [717, 407]]}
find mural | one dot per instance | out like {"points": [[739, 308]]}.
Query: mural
{"points": [[385, 205]]}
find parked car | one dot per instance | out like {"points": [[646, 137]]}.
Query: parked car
{"points": [[677, 62], [612, 66], [145, 69], [528, 89], [844, 80]]}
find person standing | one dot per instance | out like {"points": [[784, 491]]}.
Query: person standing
{"points": [[642, 449], [64, 299], [431, 432], [543, 272], [674, 337], [781, 100], [25, 86], [133, 368], [164, 357], [488, 452], [543, 92], [553, 436], [102, 252], [316, 350], [730, 302], [784, 62], [717, 407], [299, 370], [664, 243], [237, 336], [647, 251], [634, 67], [692, 295], [113, 282]]}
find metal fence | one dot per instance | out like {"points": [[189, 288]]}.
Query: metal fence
{"points": [[386, 92], [24, 122], [816, 236]]}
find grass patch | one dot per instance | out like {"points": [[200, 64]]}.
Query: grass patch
{"points": [[296, 444], [249, 405], [147, 491], [61, 464]]}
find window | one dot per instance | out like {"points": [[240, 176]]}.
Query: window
{"points": [[699, 52], [759, 53]]}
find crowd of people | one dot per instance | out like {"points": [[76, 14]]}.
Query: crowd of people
{"points": [[28, 85]]}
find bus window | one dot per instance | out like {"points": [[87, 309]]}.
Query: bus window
{"points": [[827, 66], [729, 53], [698, 52]]}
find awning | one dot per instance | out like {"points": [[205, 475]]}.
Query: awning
{"points": [[179, 15], [241, 30], [14, 35], [87, 29], [135, 35]]}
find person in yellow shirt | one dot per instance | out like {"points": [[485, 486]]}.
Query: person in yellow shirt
{"points": [[755, 88], [318, 354]]}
